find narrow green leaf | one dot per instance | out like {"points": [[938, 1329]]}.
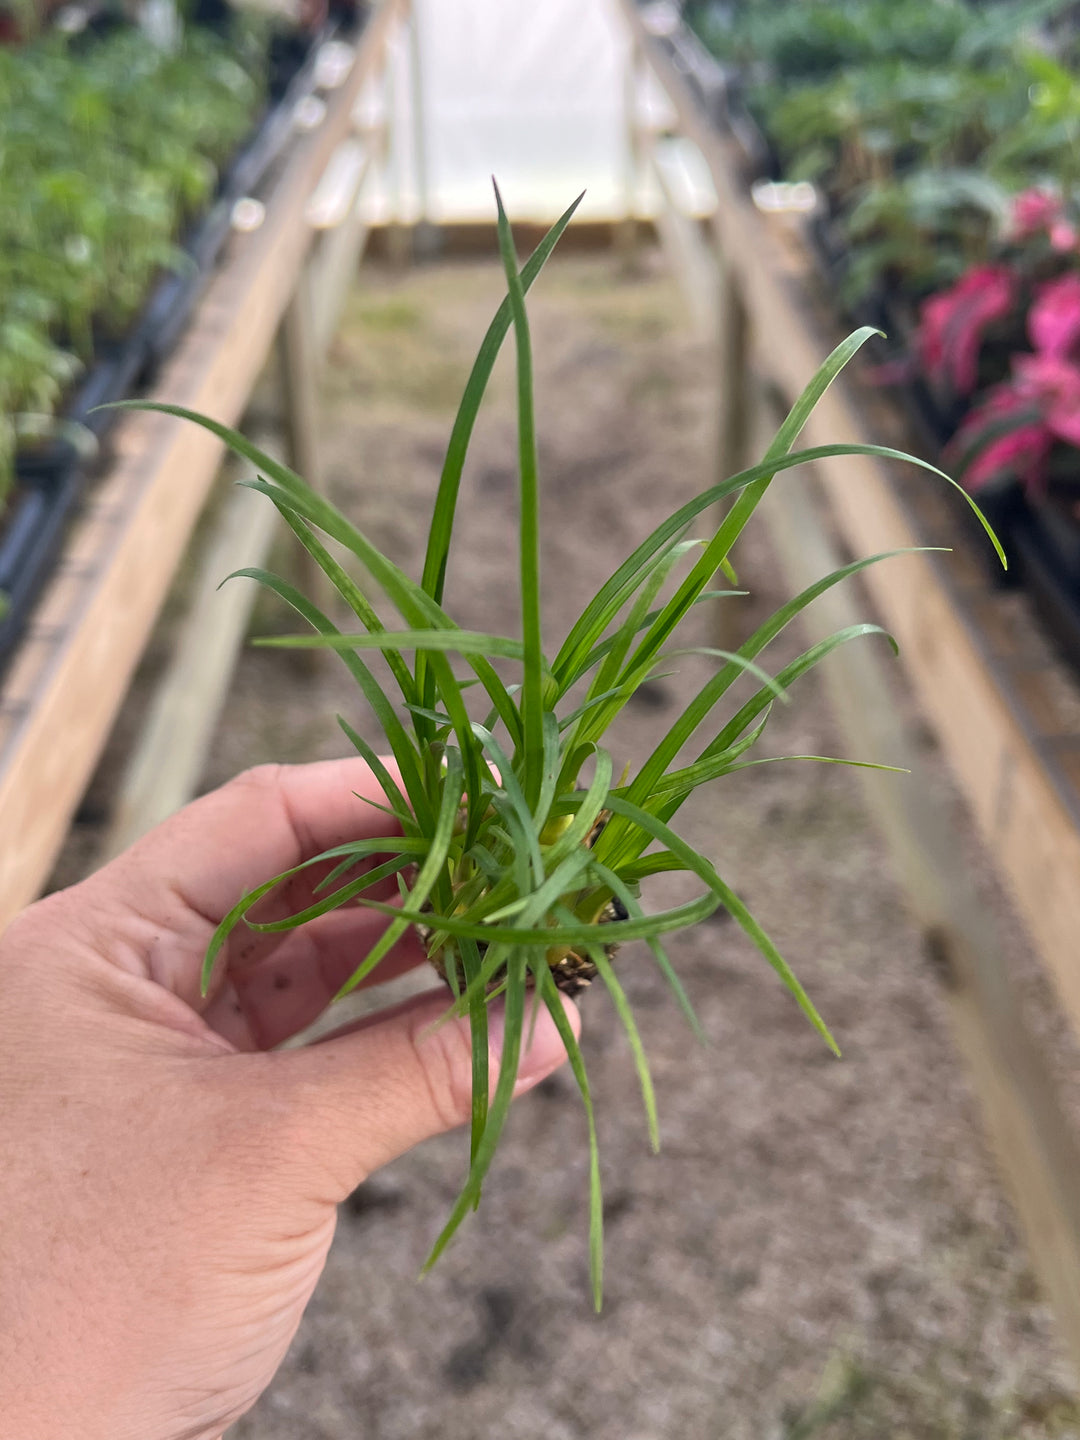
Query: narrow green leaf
{"points": [[649, 777], [442, 523], [823, 760], [637, 1049], [290, 492], [749, 497], [609, 599], [532, 689], [229, 922], [464, 642], [398, 804], [679, 917], [513, 1027], [478, 1037], [518, 802], [353, 596], [561, 879], [392, 728], [620, 886], [426, 877], [734, 658], [553, 1000]]}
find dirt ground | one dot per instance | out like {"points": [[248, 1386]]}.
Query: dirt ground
{"points": [[822, 1249]]}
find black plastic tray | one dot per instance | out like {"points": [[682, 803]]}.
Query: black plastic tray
{"points": [[170, 307], [41, 507], [1055, 592]]}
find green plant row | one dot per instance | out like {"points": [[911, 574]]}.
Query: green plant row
{"points": [[918, 119], [106, 151], [520, 843]]}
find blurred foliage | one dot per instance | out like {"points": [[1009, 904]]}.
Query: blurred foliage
{"points": [[916, 118], [108, 147]]}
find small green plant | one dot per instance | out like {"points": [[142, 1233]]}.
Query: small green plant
{"points": [[524, 844]]}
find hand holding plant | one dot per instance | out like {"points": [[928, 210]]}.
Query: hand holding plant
{"points": [[519, 843], [168, 1188]]}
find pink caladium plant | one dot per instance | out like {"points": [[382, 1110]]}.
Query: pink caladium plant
{"points": [[1054, 318], [1013, 432], [952, 324], [1040, 212], [1016, 425], [1034, 273]]}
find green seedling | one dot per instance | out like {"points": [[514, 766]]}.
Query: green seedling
{"points": [[521, 844]]}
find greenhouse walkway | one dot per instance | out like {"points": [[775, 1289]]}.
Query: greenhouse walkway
{"points": [[822, 1248]]}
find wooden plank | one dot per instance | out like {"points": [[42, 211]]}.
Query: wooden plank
{"points": [[1037, 1150], [1017, 799], [696, 269], [175, 739], [161, 475], [340, 246]]}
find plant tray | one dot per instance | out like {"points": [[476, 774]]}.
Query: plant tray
{"points": [[294, 78], [112, 376], [121, 365], [40, 508], [170, 307]]}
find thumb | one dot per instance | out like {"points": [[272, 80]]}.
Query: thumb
{"points": [[370, 1092]]}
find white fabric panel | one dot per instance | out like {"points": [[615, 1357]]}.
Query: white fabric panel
{"points": [[532, 91]]}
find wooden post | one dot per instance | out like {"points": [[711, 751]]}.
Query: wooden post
{"points": [[733, 390]]}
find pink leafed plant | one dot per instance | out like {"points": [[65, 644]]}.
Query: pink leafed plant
{"points": [[1054, 318], [1012, 433], [1035, 211], [1041, 212], [952, 324]]}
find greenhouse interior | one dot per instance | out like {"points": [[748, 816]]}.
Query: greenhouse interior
{"points": [[702, 919]]}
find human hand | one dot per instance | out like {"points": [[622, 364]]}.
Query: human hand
{"points": [[168, 1188]]}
